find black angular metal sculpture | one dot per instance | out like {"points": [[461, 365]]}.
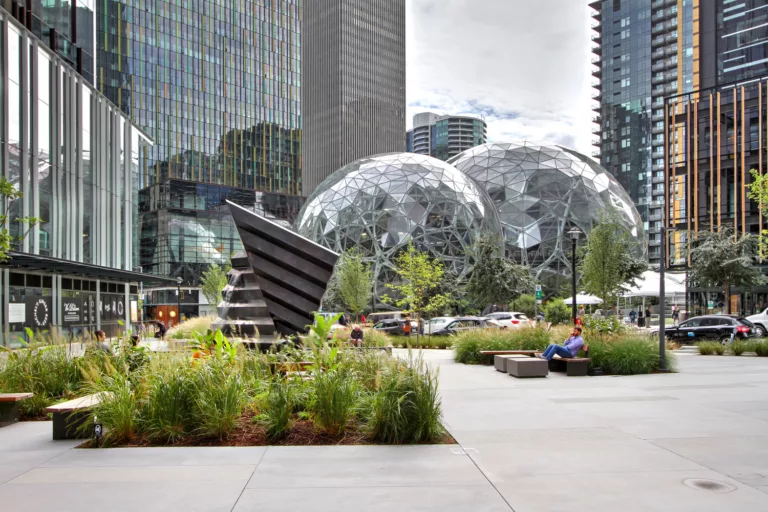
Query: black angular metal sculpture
{"points": [[243, 310], [289, 272]]}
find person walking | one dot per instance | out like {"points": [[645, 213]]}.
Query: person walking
{"points": [[633, 317], [407, 326], [675, 314]]}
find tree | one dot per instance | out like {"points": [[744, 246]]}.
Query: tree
{"points": [[213, 281], [420, 277], [720, 259], [758, 192], [608, 262], [494, 279], [8, 196], [526, 304], [557, 312], [355, 281]]}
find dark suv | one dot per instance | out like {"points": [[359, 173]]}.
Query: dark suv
{"points": [[394, 327], [711, 327]]}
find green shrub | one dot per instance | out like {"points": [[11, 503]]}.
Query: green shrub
{"points": [[469, 344], [373, 338], [738, 347], [407, 407], [557, 312], [118, 413], [761, 348], [278, 413], [166, 408], [603, 326], [627, 355], [334, 400], [219, 400], [709, 348], [525, 304]]}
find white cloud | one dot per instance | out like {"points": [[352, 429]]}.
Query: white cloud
{"points": [[523, 64]]}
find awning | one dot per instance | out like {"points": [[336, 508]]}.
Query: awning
{"points": [[648, 285], [59, 266], [584, 298]]}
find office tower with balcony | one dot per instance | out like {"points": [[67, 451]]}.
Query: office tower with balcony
{"points": [[353, 98], [644, 52], [444, 137], [216, 85]]}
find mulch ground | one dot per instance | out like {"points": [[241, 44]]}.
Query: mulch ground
{"points": [[250, 433]]}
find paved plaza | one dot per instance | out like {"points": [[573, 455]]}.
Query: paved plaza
{"points": [[696, 440]]}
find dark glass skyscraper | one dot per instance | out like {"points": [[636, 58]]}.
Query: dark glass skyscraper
{"points": [[216, 84]]}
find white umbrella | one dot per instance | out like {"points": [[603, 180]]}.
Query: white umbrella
{"points": [[584, 298]]}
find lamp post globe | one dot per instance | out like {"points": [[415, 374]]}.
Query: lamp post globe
{"points": [[574, 234]]}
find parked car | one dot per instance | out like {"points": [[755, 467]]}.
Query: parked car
{"points": [[761, 323], [510, 319], [394, 326], [437, 323], [460, 324], [710, 327]]}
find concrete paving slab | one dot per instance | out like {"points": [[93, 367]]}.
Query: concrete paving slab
{"points": [[121, 496], [687, 427], [660, 491], [458, 498], [137, 474], [365, 467], [160, 456], [742, 458]]}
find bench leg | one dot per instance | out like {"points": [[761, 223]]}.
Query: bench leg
{"points": [[65, 425], [9, 413], [576, 368], [557, 365]]}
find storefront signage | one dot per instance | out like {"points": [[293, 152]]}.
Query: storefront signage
{"points": [[72, 310], [17, 313], [38, 312]]}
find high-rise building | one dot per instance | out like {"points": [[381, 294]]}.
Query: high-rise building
{"points": [[715, 136], [444, 137], [76, 160], [216, 84], [645, 51], [353, 99]]}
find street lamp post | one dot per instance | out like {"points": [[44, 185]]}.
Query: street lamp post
{"points": [[662, 301], [179, 280], [574, 233]]}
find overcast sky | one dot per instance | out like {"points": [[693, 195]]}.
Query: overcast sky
{"points": [[523, 64]]}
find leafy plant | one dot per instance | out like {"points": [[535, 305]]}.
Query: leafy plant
{"points": [[738, 347], [761, 348], [709, 348], [355, 281], [469, 344], [165, 411], [334, 400], [557, 312], [278, 413], [602, 326], [219, 397], [212, 282], [116, 411], [9, 198], [626, 355]]}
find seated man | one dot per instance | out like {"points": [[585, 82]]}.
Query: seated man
{"points": [[356, 336], [570, 348]]}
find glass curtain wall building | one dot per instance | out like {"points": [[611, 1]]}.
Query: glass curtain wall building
{"points": [[444, 137], [645, 51], [216, 84], [354, 69], [76, 159]]}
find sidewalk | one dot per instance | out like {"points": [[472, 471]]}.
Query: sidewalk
{"points": [[557, 444]]}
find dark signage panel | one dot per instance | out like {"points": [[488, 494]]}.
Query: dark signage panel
{"points": [[71, 310]]}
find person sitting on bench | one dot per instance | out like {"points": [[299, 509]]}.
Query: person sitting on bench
{"points": [[569, 348], [356, 336]]}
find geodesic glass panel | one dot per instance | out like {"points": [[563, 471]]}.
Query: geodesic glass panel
{"points": [[541, 191], [381, 203]]}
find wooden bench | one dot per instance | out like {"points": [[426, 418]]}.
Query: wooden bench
{"points": [[284, 367], [9, 407], [69, 416], [573, 366]]}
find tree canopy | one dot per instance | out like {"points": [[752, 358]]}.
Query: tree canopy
{"points": [[212, 282], [608, 263], [494, 279], [721, 259], [420, 278], [355, 281]]}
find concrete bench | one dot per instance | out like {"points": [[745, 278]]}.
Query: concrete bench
{"points": [[9, 407], [69, 416], [524, 367]]}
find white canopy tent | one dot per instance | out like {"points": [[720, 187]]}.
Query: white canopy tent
{"points": [[584, 298], [648, 285]]}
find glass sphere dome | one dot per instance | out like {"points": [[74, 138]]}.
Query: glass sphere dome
{"points": [[381, 203], [541, 191]]}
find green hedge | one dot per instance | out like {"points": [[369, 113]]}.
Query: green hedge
{"points": [[469, 344], [626, 355]]}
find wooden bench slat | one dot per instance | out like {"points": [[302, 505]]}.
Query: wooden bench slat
{"points": [[14, 397], [509, 352], [84, 402]]}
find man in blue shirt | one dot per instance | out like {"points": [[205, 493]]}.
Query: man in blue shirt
{"points": [[570, 348]]}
